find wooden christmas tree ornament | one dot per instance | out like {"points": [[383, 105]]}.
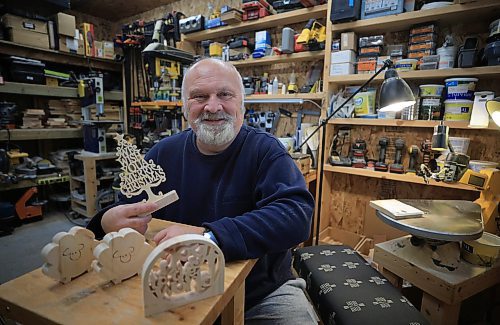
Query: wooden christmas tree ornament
{"points": [[121, 255], [140, 175], [69, 254], [181, 270]]}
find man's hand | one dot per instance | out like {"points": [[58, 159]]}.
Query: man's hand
{"points": [[177, 230], [126, 215]]}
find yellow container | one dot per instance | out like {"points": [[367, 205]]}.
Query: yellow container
{"points": [[457, 110], [364, 103], [483, 251]]}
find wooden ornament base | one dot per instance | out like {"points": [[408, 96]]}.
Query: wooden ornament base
{"points": [[162, 200]]}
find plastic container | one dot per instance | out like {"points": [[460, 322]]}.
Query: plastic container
{"points": [[431, 90], [447, 57], [478, 165], [460, 145], [430, 109], [483, 251], [364, 103], [406, 64], [460, 88], [457, 110]]}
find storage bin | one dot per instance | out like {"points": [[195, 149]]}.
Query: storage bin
{"points": [[460, 88], [457, 110]]}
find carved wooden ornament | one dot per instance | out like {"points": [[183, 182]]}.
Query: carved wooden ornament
{"points": [[182, 270], [140, 175], [69, 254], [121, 255]]}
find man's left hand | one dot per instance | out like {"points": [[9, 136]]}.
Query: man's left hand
{"points": [[177, 230]]}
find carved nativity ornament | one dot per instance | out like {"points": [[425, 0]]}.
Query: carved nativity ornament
{"points": [[140, 175]]}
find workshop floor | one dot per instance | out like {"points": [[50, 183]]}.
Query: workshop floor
{"points": [[20, 251]]}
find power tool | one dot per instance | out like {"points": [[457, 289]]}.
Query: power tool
{"points": [[380, 165], [358, 154], [313, 35], [336, 158], [428, 156], [397, 166], [412, 166]]}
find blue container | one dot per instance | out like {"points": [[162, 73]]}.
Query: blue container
{"points": [[460, 88]]}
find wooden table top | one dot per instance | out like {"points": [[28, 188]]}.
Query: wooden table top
{"points": [[37, 299]]}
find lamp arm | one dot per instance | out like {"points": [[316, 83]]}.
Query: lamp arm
{"points": [[387, 63]]}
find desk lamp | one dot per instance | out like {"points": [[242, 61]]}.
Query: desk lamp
{"points": [[395, 94], [493, 108]]}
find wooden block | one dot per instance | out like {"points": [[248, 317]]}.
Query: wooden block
{"points": [[303, 162], [69, 254], [231, 17], [121, 255], [181, 270]]}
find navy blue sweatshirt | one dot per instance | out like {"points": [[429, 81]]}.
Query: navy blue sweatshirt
{"points": [[252, 197]]}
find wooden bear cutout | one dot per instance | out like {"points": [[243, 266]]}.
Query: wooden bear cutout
{"points": [[181, 270], [121, 255], [69, 254]]}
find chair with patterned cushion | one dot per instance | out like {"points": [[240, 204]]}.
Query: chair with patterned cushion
{"points": [[345, 289]]}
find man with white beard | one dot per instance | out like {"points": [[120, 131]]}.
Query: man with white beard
{"points": [[235, 183]]}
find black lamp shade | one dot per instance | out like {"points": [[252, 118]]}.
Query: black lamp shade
{"points": [[395, 94]]}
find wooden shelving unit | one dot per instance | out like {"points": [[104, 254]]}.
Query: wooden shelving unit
{"points": [[284, 58], [11, 48], [480, 72], [403, 123], [410, 178], [41, 134], [314, 96], [487, 10], [42, 90], [283, 19]]}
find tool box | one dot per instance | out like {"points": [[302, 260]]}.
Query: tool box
{"points": [[256, 9], [32, 32], [26, 70]]}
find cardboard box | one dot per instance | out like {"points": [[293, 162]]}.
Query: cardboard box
{"points": [[88, 38], [70, 44], [25, 24], [66, 24], [109, 50], [98, 49], [347, 56], [20, 36], [349, 41], [339, 69]]}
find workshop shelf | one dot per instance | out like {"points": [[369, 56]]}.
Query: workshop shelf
{"points": [[282, 19], [41, 134], [11, 48], [403, 123], [488, 10], [480, 72], [409, 178], [284, 58], [42, 90], [310, 96]]}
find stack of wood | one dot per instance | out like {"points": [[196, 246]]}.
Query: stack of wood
{"points": [[111, 113], [63, 111], [33, 118]]}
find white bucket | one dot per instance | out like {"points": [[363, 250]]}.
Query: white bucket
{"points": [[457, 110], [446, 57], [460, 88], [479, 117]]}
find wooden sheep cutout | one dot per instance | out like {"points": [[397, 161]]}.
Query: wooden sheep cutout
{"points": [[181, 270], [121, 255], [69, 254], [140, 175]]}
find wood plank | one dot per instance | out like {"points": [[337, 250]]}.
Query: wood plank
{"points": [[438, 312], [485, 9], [11, 48], [42, 90], [480, 72], [310, 96], [411, 178], [234, 313], [405, 123], [37, 299], [284, 58], [41, 134], [282, 19]]}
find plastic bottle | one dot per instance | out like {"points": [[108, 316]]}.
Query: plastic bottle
{"points": [[275, 86]]}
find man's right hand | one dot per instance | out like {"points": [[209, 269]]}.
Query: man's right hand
{"points": [[126, 215]]}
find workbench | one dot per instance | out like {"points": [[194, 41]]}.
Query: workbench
{"points": [[443, 290], [37, 299]]}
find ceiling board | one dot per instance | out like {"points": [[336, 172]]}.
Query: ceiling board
{"points": [[115, 10]]}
